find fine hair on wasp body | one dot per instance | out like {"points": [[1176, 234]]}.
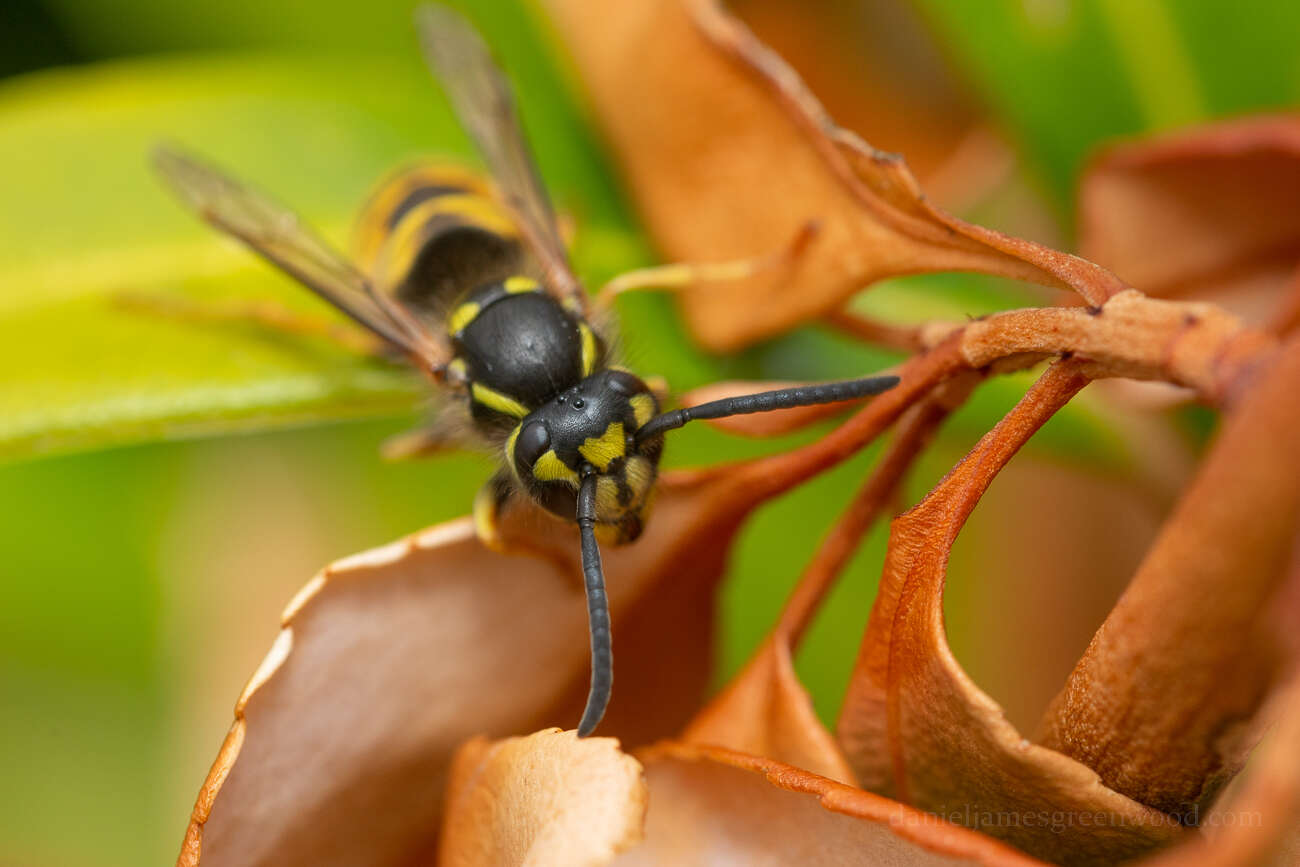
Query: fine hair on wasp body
{"points": [[471, 283]]}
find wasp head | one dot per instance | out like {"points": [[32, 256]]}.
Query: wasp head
{"points": [[591, 425]]}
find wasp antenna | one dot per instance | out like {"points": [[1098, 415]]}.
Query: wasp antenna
{"points": [[602, 653], [765, 401]]}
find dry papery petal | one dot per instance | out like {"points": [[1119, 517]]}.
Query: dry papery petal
{"points": [[765, 710], [714, 806], [1218, 200], [548, 798], [916, 728], [728, 155], [390, 659], [1257, 822], [1162, 701]]}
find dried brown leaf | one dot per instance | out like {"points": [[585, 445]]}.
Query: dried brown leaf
{"points": [[1206, 214], [1258, 822], [715, 806], [728, 155], [1161, 704], [764, 710], [548, 798], [916, 728], [390, 659]]}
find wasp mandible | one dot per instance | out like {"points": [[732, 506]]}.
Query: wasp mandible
{"points": [[473, 286]]}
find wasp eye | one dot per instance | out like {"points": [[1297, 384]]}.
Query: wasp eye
{"points": [[533, 441]]}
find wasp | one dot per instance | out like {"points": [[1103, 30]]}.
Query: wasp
{"points": [[471, 284]]}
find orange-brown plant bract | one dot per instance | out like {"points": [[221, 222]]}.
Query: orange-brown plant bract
{"points": [[343, 747]]}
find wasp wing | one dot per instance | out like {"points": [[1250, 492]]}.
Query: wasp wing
{"points": [[484, 102], [278, 234]]}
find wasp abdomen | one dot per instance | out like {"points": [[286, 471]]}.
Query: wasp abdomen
{"points": [[431, 231]]}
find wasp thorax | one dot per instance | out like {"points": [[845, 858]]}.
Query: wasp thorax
{"points": [[593, 424]]}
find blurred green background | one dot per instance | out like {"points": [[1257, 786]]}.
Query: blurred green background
{"points": [[167, 486]]}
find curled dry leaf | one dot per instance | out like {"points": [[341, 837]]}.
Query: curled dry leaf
{"points": [[1161, 704], [765, 710], [917, 729], [1258, 823], [1219, 201], [548, 798], [390, 659], [714, 806], [728, 155]]}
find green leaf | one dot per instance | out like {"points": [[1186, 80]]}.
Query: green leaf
{"points": [[84, 221]]}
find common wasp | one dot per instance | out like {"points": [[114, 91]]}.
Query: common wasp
{"points": [[471, 284]]}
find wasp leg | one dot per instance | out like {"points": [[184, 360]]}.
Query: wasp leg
{"points": [[678, 276], [489, 505], [422, 442], [265, 314]]}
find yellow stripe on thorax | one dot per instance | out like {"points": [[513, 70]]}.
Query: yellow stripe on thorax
{"points": [[588, 349], [462, 316], [495, 400], [519, 284]]}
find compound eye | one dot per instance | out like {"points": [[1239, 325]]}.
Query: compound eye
{"points": [[625, 383], [533, 441]]}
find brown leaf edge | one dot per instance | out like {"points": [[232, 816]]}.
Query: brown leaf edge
{"points": [[765, 710], [916, 728], [725, 130], [1222, 195], [1162, 702], [696, 532], [885, 831]]}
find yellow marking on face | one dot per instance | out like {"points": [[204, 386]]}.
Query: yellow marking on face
{"points": [[588, 349], [602, 450], [519, 283], [462, 316], [607, 505], [643, 408], [549, 468], [510, 450], [495, 400], [485, 516]]}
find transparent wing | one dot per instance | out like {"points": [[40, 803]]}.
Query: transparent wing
{"points": [[482, 99], [278, 234]]}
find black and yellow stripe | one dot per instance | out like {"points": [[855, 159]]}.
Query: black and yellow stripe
{"points": [[432, 231]]}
